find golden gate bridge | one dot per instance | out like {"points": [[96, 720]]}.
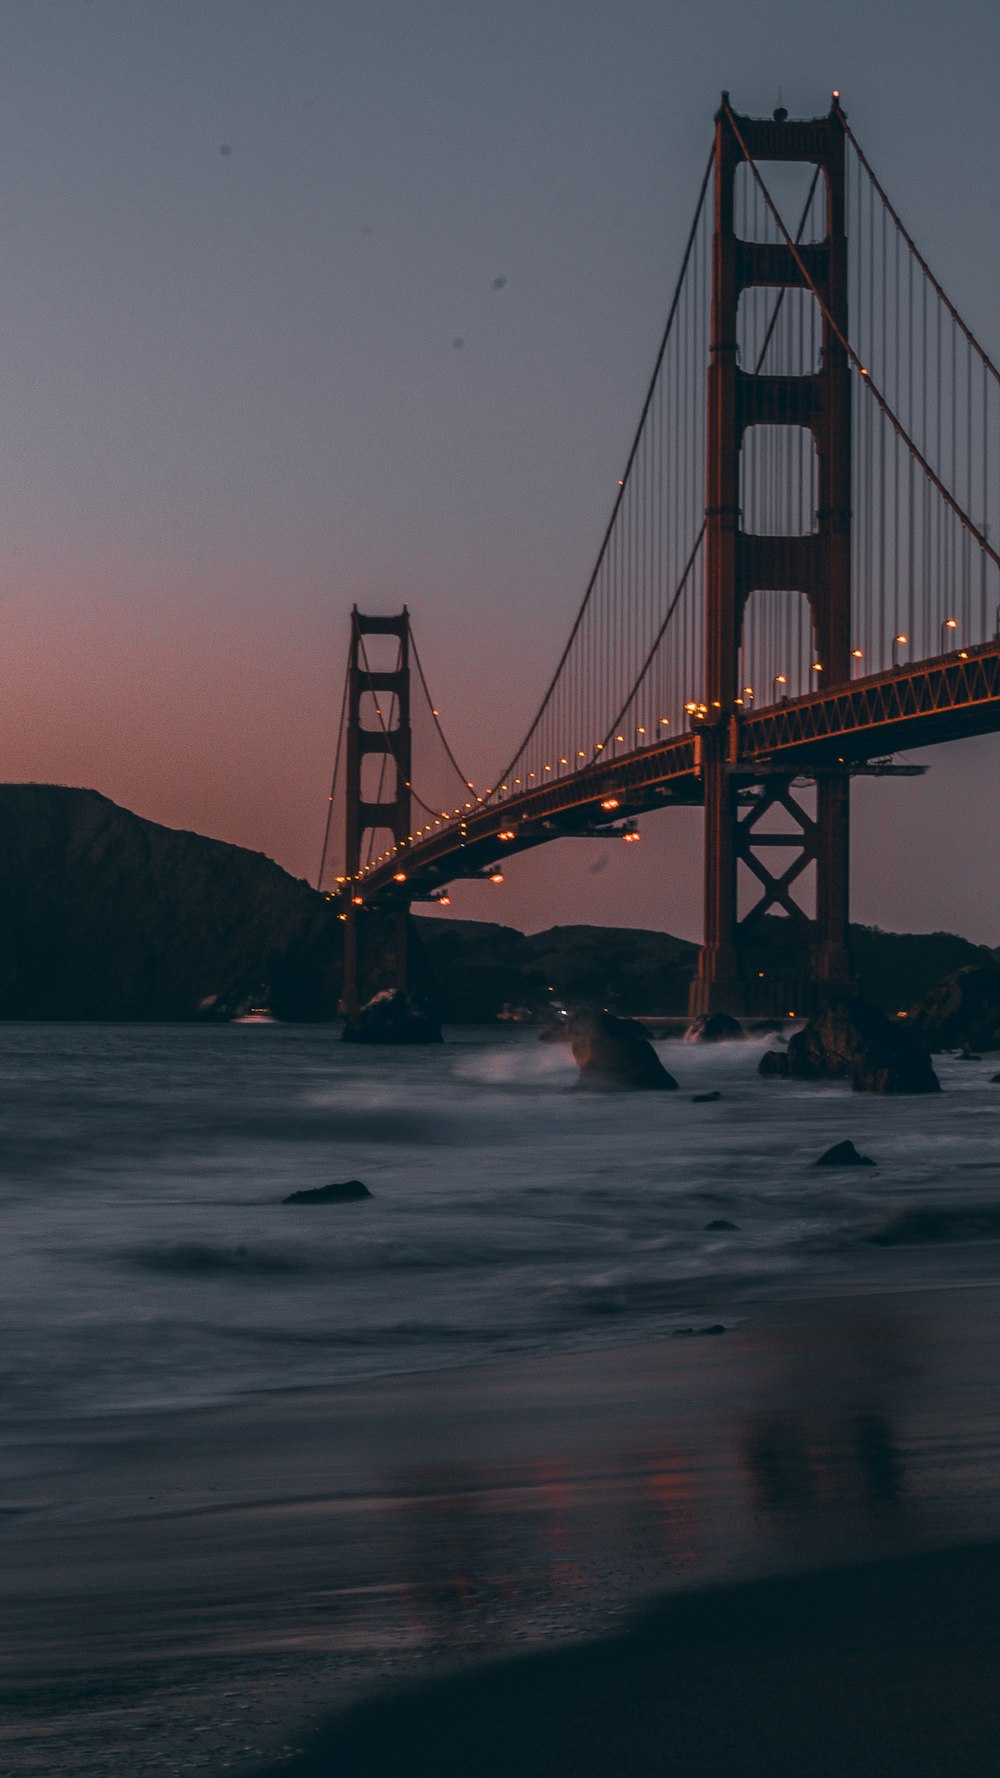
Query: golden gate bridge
{"points": [[798, 578]]}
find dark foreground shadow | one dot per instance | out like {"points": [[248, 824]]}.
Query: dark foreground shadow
{"points": [[869, 1672], [887, 1670]]}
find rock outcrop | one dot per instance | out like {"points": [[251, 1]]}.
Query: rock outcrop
{"points": [[843, 1154], [612, 1052], [391, 1017], [963, 1011], [349, 1191], [850, 1040], [773, 1065]]}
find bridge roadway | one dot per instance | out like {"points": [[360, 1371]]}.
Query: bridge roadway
{"points": [[945, 698]]}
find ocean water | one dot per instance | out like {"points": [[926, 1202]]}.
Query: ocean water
{"points": [[150, 1262]]}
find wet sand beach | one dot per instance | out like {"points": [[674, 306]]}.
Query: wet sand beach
{"points": [[195, 1591]]}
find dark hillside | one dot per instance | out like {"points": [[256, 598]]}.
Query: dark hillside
{"points": [[479, 968], [106, 916], [896, 968]]}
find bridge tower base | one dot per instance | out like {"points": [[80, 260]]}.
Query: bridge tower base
{"points": [[816, 565]]}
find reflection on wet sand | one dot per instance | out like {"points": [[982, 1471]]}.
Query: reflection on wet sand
{"points": [[796, 1471], [341, 1541], [828, 1445]]}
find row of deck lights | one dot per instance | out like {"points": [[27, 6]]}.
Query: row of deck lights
{"points": [[900, 640], [692, 708]]}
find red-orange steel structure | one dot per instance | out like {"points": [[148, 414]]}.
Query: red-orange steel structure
{"points": [[817, 565]]}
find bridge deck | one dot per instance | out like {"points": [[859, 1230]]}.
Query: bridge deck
{"points": [[943, 699]]}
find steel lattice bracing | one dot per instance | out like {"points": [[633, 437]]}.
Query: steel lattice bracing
{"points": [[798, 573]]}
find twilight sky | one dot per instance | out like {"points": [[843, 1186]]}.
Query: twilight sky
{"points": [[240, 239]]}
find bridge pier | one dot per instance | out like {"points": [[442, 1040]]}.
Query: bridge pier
{"points": [[741, 970], [378, 953]]}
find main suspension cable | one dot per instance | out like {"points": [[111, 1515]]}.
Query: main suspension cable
{"points": [[333, 783], [435, 717], [914, 249]]}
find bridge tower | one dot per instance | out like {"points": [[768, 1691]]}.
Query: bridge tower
{"points": [[816, 565], [389, 738]]}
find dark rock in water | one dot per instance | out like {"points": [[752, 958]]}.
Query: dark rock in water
{"points": [[851, 1040], [689, 1333], [967, 1055], [715, 1027], [844, 1154], [391, 1017], [608, 1053], [973, 1222], [773, 1064], [963, 1011], [720, 1223], [995, 1080], [705, 1098], [347, 1193]]}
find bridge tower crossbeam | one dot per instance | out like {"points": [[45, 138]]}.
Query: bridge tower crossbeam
{"points": [[739, 561]]}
